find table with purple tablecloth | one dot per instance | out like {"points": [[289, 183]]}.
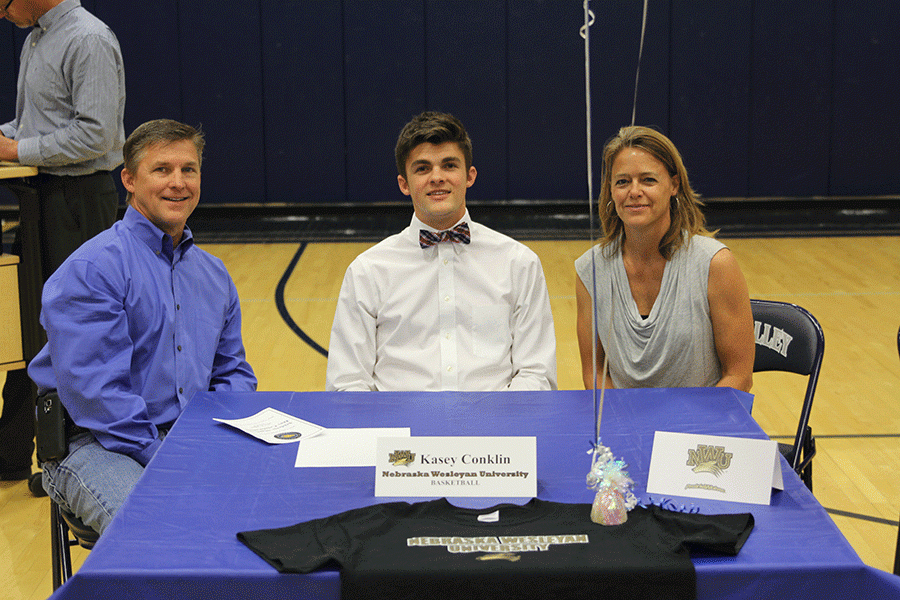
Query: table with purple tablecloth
{"points": [[175, 537]]}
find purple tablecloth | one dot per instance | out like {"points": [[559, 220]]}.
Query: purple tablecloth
{"points": [[175, 536]]}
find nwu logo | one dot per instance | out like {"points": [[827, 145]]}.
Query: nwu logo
{"points": [[401, 457], [772, 337], [709, 459]]}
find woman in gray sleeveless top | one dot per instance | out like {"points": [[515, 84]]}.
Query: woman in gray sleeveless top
{"points": [[670, 303]]}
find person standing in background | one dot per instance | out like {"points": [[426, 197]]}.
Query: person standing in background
{"points": [[70, 104]]}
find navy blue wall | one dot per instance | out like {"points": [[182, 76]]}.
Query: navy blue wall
{"points": [[302, 100]]}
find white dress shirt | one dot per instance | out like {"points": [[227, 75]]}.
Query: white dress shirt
{"points": [[453, 316]]}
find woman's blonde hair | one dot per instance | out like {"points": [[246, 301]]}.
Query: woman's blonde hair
{"points": [[684, 207]]}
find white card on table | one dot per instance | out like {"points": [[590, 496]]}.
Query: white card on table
{"points": [[714, 467], [344, 447]]}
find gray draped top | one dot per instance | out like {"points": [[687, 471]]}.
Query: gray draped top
{"points": [[674, 345]]}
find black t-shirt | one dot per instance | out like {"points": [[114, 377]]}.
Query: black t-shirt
{"points": [[541, 550]]}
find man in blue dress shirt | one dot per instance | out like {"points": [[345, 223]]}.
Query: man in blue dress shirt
{"points": [[138, 319]]}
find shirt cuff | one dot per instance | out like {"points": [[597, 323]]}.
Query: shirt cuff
{"points": [[29, 152], [144, 456], [358, 386]]}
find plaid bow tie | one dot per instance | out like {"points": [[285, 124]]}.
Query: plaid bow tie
{"points": [[457, 235]]}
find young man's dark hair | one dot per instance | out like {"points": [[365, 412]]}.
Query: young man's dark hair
{"points": [[433, 128]]}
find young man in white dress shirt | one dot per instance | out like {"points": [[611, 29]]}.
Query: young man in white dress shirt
{"points": [[446, 304]]}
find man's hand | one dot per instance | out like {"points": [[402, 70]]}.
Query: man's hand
{"points": [[9, 149]]}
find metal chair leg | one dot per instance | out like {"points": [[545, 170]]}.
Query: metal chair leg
{"points": [[897, 555], [59, 547]]}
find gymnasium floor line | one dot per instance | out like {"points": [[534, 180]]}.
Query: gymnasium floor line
{"points": [[845, 513], [858, 435], [832, 294], [842, 436], [282, 307], [852, 515]]}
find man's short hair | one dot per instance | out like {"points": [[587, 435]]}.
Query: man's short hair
{"points": [[160, 131], [434, 128]]}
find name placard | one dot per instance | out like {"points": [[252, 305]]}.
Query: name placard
{"points": [[456, 467], [714, 467]]}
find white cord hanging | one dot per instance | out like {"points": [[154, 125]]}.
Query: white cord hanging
{"points": [[608, 476]]}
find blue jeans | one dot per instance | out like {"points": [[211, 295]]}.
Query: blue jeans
{"points": [[91, 482]]}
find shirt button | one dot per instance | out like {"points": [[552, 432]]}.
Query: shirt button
{"points": [[179, 348], [446, 261], [449, 369], [180, 390], [447, 335], [446, 298]]}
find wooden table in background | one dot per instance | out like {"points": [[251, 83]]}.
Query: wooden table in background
{"points": [[29, 277], [9, 170], [10, 324]]}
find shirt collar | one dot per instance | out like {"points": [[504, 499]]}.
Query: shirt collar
{"points": [[155, 238], [415, 225], [53, 15]]}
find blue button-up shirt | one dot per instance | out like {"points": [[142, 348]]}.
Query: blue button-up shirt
{"points": [[134, 329]]}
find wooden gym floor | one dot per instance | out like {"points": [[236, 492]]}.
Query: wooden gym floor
{"points": [[851, 284]]}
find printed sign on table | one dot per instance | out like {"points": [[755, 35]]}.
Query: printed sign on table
{"points": [[456, 467]]}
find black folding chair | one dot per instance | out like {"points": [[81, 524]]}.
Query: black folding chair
{"points": [[897, 556], [52, 444], [789, 338]]}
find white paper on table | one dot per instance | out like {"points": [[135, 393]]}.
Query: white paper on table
{"points": [[714, 467], [345, 447], [275, 427]]}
